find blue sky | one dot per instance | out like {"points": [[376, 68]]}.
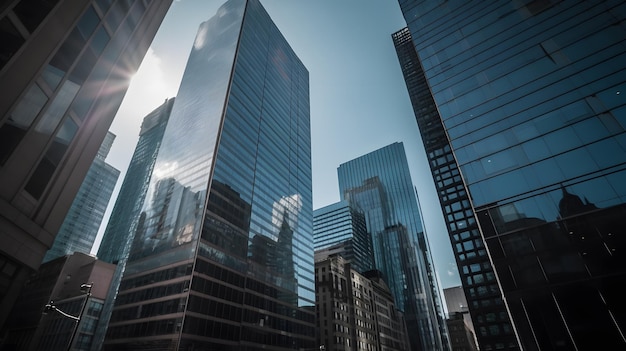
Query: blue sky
{"points": [[359, 101]]}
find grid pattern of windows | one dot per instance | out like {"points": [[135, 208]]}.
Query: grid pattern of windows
{"points": [[484, 295], [531, 97]]}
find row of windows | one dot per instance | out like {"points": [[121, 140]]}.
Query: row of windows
{"points": [[215, 289], [263, 337], [606, 189], [211, 328], [155, 277], [30, 14], [591, 132], [148, 310], [152, 293], [210, 307], [519, 42], [219, 273], [149, 328]]}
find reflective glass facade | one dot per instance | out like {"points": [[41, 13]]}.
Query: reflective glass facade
{"points": [[483, 294], [531, 95], [133, 190], [119, 233], [223, 253], [80, 227], [379, 184], [340, 228]]}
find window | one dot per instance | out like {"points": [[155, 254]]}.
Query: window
{"points": [[32, 12], [12, 132], [44, 171], [11, 40], [57, 108]]}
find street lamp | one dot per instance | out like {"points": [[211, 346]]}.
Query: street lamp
{"points": [[86, 288]]}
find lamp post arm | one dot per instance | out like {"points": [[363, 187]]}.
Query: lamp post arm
{"points": [[67, 315]]}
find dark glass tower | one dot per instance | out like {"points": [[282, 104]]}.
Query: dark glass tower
{"points": [[341, 229], [487, 307], [531, 102], [80, 227], [64, 69], [223, 252], [379, 184]]}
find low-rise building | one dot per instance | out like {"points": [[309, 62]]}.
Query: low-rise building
{"points": [[355, 311], [66, 287]]}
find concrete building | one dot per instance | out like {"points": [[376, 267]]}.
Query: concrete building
{"points": [[459, 321], [355, 311], [65, 66], [60, 281]]}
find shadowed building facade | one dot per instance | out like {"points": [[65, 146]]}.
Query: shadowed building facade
{"points": [[65, 66], [222, 257], [521, 105], [59, 281]]}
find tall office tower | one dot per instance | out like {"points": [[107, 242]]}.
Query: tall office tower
{"points": [[531, 100], [355, 311], [223, 253], [65, 66], [81, 224], [115, 245], [59, 281], [483, 293], [341, 229], [118, 236], [379, 184]]}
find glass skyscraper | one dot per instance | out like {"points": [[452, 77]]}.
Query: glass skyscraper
{"points": [[379, 184], [119, 233], [115, 241], [80, 227], [64, 69], [223, 253], [484, 296], [340, 228], [532, 122]]}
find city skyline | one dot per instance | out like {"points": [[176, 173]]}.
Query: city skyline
{"points": [[355, 77]]}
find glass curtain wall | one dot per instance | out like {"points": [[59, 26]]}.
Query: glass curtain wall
{"points": [[379, 184]]}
